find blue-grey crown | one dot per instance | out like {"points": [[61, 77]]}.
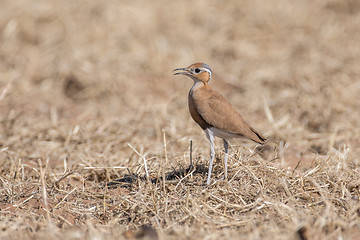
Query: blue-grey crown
{"points": [[204, 65]]}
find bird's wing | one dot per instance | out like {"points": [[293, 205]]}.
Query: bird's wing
{"points": [[219, 113]]}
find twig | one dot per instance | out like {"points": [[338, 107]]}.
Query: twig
{"points": [[190, 173], [166, 161], [104, 200], [145, 164], [64, 176], [191, 163], [57, 205], [44, 193], [26, 200]]}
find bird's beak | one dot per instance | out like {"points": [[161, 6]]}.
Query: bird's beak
{"points": [[186, 72]]}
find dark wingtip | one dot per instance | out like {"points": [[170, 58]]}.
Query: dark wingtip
{"points": [[261, 140]]}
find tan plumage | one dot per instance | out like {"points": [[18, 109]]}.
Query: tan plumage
{"points": [[218, 112], [214, 114]]}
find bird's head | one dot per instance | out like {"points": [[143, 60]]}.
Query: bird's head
{"points": [[197, 72]]}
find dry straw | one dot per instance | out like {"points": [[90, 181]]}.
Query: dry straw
{"points": [[95, 131]]}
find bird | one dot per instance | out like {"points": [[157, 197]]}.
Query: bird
{"points": [[214, 114]]}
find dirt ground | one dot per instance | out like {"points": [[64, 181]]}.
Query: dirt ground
{"points": [[88, 96]]}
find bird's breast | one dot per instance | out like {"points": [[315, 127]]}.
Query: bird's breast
{"points": [[194, 113]]}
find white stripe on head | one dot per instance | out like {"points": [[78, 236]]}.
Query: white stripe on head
{"points": [[208, 70]]}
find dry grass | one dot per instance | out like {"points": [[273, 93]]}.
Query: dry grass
{"points": [[87, 93]]}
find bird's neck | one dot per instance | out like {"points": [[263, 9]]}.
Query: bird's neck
{"points": [[197, 85]]}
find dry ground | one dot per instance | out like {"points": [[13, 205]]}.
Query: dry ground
{"points": [[87, 94]]}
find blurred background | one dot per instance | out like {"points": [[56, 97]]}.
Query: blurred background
{"points": [[81, 73], [87, 90]]}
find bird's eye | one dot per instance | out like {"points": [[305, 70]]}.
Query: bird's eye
{"points": [[197, 70]]}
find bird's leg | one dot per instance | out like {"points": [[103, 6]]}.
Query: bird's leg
{"points": [[226, 146], [210, 137]]}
